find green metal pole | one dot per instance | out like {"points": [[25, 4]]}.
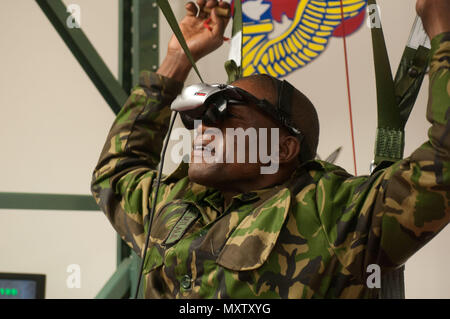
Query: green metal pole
{"points": [[145, 54], [47, 201], [126, 81], [118, 286], [134, 273], [125, 44]]}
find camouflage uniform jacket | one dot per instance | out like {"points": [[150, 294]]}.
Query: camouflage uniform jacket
{"points": [[312, 237]]}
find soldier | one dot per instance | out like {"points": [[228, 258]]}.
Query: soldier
{"points": [[309, 230]]}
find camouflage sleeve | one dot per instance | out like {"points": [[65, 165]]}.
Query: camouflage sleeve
{"points": [[415, 199], [387, 217], [122, 178]]}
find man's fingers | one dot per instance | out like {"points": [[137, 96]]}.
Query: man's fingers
{"points": [[223, 8], [219, 23], [202, 9], [201, 4], [222, 12], [191, 9], [206, 7], [224, 5], [211, 4]]}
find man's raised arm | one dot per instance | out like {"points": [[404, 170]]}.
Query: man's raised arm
{"points": [[386, 218], [415, 203]]}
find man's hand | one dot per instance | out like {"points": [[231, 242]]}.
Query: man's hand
{"points": [[435, 15], [203, 34], [200, 39]]}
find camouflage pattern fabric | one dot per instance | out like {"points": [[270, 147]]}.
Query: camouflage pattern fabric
{"points": [[312, 237]]}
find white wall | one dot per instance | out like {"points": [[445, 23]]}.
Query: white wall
{"points": [[54, 123]]}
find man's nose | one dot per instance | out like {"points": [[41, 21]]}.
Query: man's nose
{"points": [[202, 127], [206, 132]]}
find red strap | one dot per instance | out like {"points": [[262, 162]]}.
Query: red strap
{"points": [[207, 26], [348, 87]]}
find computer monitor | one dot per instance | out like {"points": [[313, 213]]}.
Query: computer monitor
{"points": [[22, 286]]}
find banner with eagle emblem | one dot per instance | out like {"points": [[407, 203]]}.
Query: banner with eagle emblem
{"points": [[281, 36]]}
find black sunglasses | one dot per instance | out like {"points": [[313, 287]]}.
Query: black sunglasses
{"points": [[216, 107]]}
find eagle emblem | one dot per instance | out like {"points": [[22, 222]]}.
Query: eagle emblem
{"points": [[281, 36]]}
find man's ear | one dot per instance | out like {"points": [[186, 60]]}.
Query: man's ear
{"points": [[289, 148]]}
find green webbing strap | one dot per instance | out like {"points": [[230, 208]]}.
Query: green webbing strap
{"points": [[170, 17], [393, 284], [237, 18], [395, 98], [390, 136], [389, 144], [395, 101], [235, 72], [409, 78]]}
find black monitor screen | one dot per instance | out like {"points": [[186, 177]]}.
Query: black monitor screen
{"points": [[22, 286]]}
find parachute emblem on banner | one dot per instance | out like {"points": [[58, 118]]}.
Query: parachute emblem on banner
{"points": [[281, 36]]}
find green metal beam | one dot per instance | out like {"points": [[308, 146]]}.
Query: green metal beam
{"points": [[145, 54], [138, 50], [118, 285], [134, 273], [123, 281], [125, 44], [85, 53], [126, 81], [47, 201], [123, 250]]}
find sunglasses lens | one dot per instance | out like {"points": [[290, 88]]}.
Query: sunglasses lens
{"points": [[188, 121], [217, 110], [209, 114]]}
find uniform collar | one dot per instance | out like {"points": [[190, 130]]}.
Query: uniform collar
{"points": [[209, 197]]}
